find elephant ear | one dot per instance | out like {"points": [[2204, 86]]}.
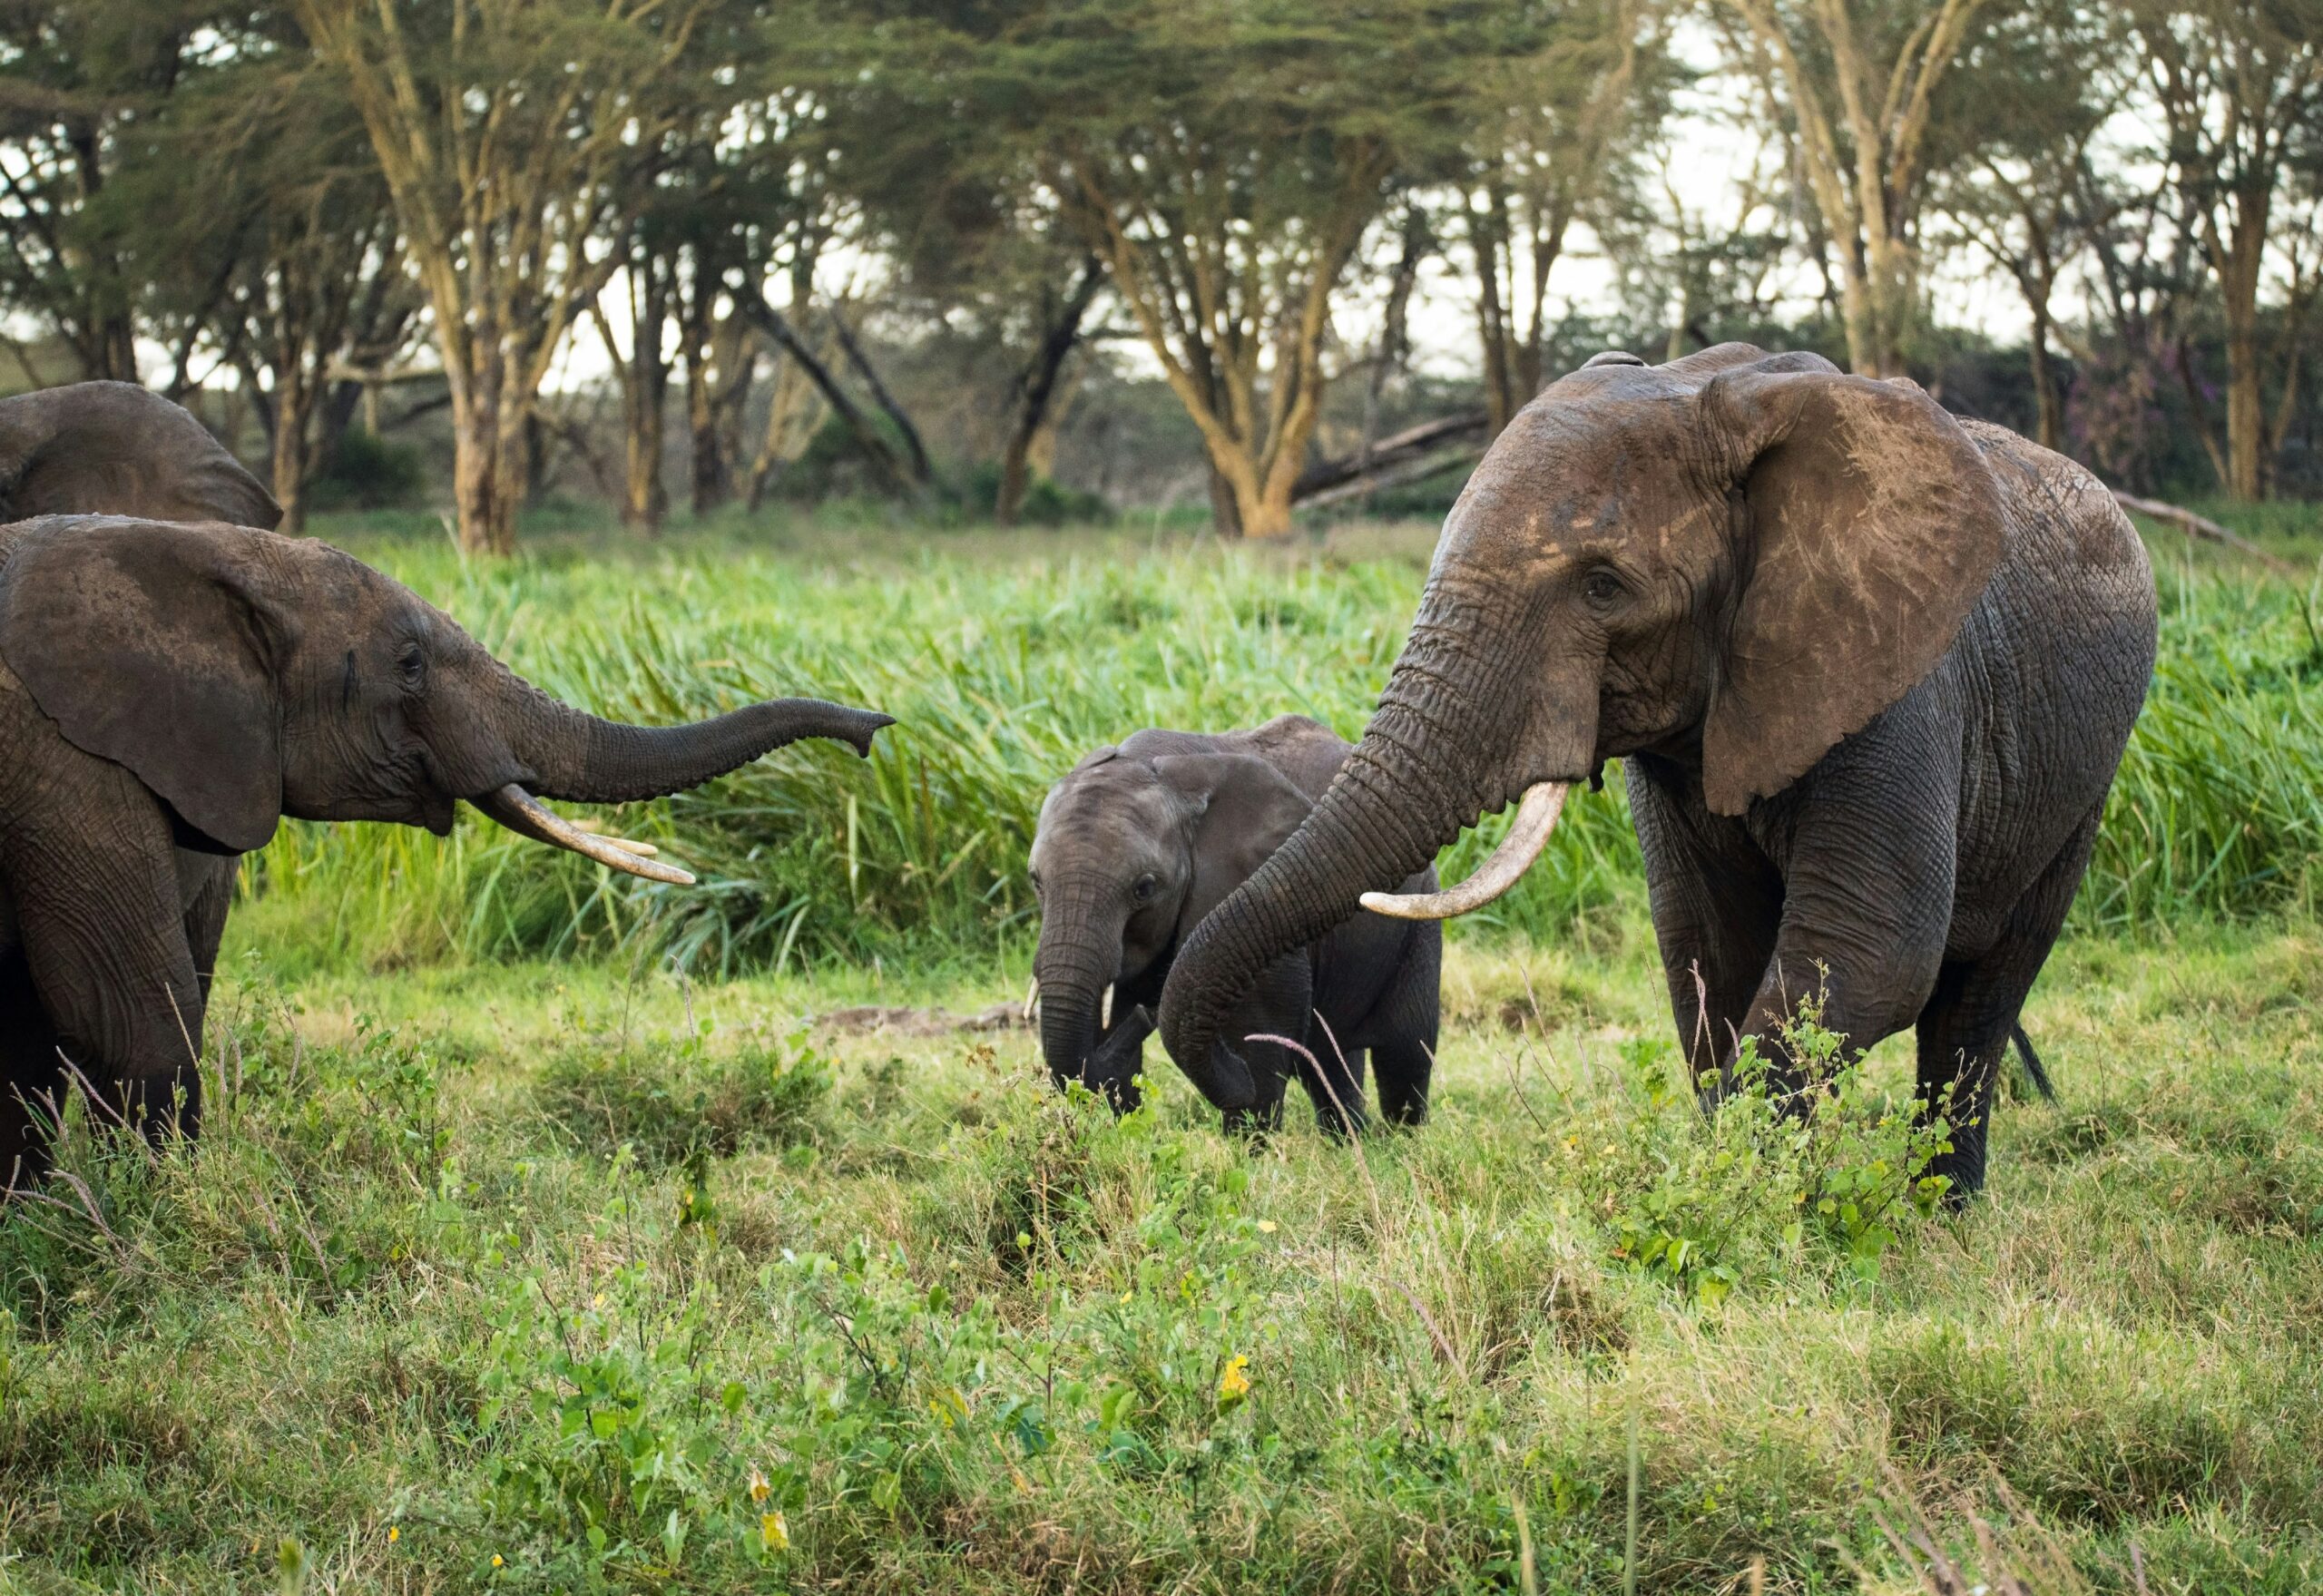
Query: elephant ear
{"points": [[1242, 810], [148, 645], [1867, 525]]}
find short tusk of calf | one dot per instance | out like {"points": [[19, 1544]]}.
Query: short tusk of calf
{"points": [[1536, 817], [526, 815], [1032, 999], [1105, 1009]]}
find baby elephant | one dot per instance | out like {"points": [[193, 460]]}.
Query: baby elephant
{"points": [[1140, 842]]}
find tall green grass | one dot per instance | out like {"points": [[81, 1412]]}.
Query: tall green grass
{"points": [[1003, 663]]}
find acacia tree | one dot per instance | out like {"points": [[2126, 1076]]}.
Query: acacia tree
{"points": [[516, 137], [2239, 84], [1549, 146], [76, 79], [256, 185], [1859, 83], [1224, 161], [2026, 194]]}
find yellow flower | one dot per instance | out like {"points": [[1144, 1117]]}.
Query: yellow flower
{"points": [[395, 1534], [496, 1560], [759, 1487], [1266, 1226], [773, 1534], [1233, 1384]]}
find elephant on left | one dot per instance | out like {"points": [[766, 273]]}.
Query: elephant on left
{"points": [[168, 693]]}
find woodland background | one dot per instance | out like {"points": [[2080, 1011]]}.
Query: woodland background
{"points": [[1056, 259]]}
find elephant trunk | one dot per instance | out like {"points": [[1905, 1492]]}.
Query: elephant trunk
{"points": [[1425, 769], [1074, 964], [582, 759], [563, 753]]}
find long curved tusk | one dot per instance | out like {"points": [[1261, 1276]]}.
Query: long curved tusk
{"points": [[1536, 817], [1032, 999], [526, 815], [643, 850]]}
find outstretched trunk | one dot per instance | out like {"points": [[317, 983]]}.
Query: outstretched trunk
{"points": [[584, 760], [1428, 764]]}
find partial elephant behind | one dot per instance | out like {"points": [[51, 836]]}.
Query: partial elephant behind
{"points": [[116, 449], [1871, 670], [1138, 843], [168, 693]]}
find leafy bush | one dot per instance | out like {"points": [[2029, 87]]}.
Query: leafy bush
{"points": [[1809, 1157]]}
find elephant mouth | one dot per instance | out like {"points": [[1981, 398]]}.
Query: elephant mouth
{"points": [[522, 813]]}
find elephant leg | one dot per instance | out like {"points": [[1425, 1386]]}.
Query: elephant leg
{"points": [[1718, 905], [1335, 1085], [1403, 1069], [32, 1077], [1867, 897], [205, 883], [1965, 1029], [104, 932]]}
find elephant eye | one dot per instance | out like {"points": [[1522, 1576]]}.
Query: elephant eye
{"points": [[411, 665], [1146, 889], [1034, 877], [1603, 587]]}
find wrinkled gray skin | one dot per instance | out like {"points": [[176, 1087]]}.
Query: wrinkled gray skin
{"points": [[1140, 842], [1871, 668], [167, 693]]}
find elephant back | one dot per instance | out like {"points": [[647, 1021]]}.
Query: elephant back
{"points": [[114, 448]]}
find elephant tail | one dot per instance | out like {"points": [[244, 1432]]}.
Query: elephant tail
{"points": [[2034, 1071]]}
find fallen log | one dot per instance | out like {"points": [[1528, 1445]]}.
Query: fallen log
{"points": [[1409, 470], [2203, 527], [1440, 441]]}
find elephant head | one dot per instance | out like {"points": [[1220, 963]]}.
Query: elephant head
{"points": [[1734, 561], [114, 448], [243, 676], [1129, 856]]}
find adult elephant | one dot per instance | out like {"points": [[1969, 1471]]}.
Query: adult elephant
{"points": [[168, 693], [1871, 668], [1138, 843]]}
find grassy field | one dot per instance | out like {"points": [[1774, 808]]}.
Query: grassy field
{"points": [[541, 1239]]}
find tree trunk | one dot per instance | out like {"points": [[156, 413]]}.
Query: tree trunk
{"points": [[2246, 418], [712, 478], [2050, 424], [291, 464], [644, 501], [1225, 504], [1037, 388], [487, 464]]}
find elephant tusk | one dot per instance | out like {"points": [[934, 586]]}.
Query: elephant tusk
{"points": [[526, 815], [1031, 1000], [1105, 1009], [643, 850], [1536, 817]]}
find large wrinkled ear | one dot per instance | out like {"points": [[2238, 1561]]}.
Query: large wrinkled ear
{"points": [[1866, 526], [151, 645], [1242, 810]]}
